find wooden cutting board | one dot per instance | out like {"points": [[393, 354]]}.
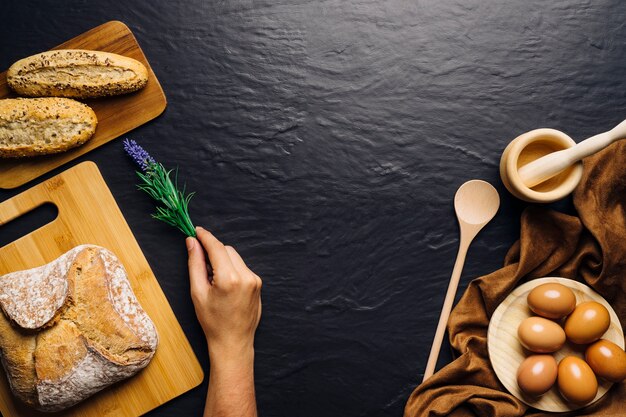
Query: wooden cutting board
{"points": [[116, 115], [88, 214]]}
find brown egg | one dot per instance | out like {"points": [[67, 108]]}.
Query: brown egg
{"points": [[537, 374], [551, 300], [540, 335], [587, 323], [576, 380], [607, 360]]}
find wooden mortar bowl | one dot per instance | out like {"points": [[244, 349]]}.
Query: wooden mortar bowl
{"points": [[528, 147]]}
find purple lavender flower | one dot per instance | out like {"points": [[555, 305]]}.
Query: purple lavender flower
{"points": [[139, 154], [157, 182]]}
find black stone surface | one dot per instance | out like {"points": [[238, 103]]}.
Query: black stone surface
{"points": [[325, 141]]}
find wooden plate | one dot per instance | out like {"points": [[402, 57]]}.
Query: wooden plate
{"points": [[116, 115], [506, 353], [89, 214]]}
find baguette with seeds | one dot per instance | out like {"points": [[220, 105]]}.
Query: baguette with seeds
{"points": [[40, 126], [76, 73]]}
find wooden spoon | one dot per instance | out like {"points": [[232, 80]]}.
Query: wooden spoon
{"points": [[475, 203], [548, 166]]}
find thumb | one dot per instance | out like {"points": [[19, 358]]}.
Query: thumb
{"points": [[198, 275]]}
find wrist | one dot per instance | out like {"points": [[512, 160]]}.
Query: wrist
{"points": [[231, 355], [231, 381]]}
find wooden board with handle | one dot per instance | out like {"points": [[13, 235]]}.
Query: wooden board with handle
{"points": [[89, 214], [116, 115]]}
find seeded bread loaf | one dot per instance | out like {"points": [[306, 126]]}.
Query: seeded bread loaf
{"points": [[76, 73], [39, 126], [71, 328]]}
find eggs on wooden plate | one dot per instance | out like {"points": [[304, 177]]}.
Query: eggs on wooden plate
{"points": [[585, 323]]}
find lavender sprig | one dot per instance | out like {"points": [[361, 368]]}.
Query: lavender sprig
{"points": [[157, 182]]}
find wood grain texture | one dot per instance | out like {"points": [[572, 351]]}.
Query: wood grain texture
{"points": [[89, 214], [116, 115], [475, 204], [506, 353]]}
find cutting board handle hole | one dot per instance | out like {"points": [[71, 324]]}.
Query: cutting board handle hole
{"points": [[27, 223]]}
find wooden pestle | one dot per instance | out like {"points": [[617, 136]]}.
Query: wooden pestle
{"points": [[550, 165]]}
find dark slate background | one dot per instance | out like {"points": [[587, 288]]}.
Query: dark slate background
{"points": [[325, 141]]}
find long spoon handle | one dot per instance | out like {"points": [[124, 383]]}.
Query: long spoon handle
{"points": [[548, 166], [447, 307]]}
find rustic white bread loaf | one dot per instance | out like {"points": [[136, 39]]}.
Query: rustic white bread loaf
{"points": [[39, 126], [71, 328], [76, 73]]}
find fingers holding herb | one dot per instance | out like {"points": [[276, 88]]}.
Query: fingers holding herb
{"points": [[198, 275], [229, 309], [218, 256]]}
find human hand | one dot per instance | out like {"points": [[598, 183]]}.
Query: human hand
{"points": [[229, 307]]}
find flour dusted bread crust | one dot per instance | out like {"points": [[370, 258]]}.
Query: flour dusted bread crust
{"points": [[40, 126], [76, 73], [71, 328]]}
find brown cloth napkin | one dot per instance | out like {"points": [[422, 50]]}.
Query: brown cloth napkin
{"points": [[589, 248]]}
